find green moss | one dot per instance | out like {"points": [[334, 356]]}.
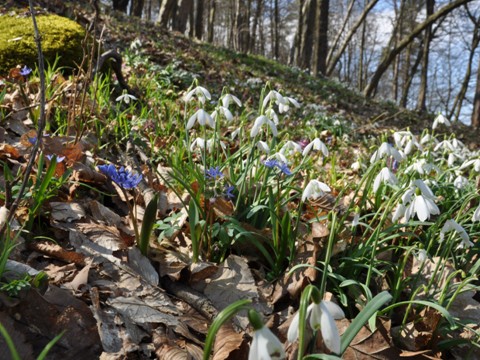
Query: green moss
{"points": [[60, 36]]}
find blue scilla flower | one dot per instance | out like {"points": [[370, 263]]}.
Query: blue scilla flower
{"points": [[274, 163], [121, 177], [229, 192], [214, 172], [25, 71]]}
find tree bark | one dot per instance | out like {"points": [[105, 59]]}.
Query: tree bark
{"points": [[182, 15], [120, 5], [304, 60], [199, 19], [422, 92], [166, 12], [476, 103], [390, 55], [321, 30], [256, 18], [211, 20]]}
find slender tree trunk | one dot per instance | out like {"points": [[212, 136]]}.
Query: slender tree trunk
{"points": [[199, 19], [182, 15], [166, 12], [120, 5], [333, 59], [256, 18], [211, 20], [341, 31], [306, 39], [361, 65], [422, 91], [295, 50], [390, 55], [276, 21], [241, 27], [137, 7], [321, 30], [476, 103], [409, 77]]}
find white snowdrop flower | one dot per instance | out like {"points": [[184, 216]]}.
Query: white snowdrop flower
{"points": [[476, 215], [265, 346], [126, 98], [427, 138], [474, 162], [337, 122], [290, 148], [263, 146], [198, 143], [274, 96], [314, 190], [224, 111], [280, 157], [386, 150], [356, 219], [200, 92], [235, 134], [315, 144], [399, 212], [421, 255], [420, 201], [259, 122], [385, 176], [321, 317], [356, 166], [202, 117], [282, 108], [407, 141], [422, 167], [452, 158], [229, 98], [452, 225], [440, 119], [3, 216], [460, 182], [272, 115]]}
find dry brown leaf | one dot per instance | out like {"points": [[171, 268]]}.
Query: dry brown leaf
{"points": [[229, 344], [108, 237], [80, 279], [57, 252], [8, 151], [66, 212], [234, 281], [172, 264]]}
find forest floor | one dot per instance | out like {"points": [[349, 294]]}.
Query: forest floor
{"points": [[109, 300]]}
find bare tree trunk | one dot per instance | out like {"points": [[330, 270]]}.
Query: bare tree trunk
{"points": [[295, 50], [306, 37], [361, 65], [276, 20], [182, 15], [199, 20], [241, 27], [422, 91], [256, 19], [321, 44], [137, 7], [335, 42], [476, 103], [211, 20], [120, 5], [166, 12], [390, 55], [409, 77], [333, 59], [458, 102]]}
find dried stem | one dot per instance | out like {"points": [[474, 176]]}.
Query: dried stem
{"points": [[40, 123]]}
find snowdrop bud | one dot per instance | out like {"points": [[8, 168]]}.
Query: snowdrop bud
{"points": [[3, 216]]}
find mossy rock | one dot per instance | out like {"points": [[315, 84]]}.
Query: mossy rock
{"points": [[60, 36]]}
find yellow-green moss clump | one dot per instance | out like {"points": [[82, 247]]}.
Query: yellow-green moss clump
{"points": [[60, 36]]}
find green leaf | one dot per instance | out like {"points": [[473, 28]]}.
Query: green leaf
{"points": [[147, 225], [363, 317]]}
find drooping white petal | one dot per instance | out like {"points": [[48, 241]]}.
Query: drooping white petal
{"points": [[263, 146], [329, 330], [476, 215], [399, 212], [259, 121], [265, 346], [421, 208], [191, 121], [334, 310], [314, 190]]}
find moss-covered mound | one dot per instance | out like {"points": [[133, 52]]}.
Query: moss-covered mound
{"points": [[60, 36]]}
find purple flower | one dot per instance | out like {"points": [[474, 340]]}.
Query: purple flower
{"points": [[59, 158], [32, 140], [271, 163], [214, 172], [284, 168], [25, 71], [122, 177], [229, 192]]}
